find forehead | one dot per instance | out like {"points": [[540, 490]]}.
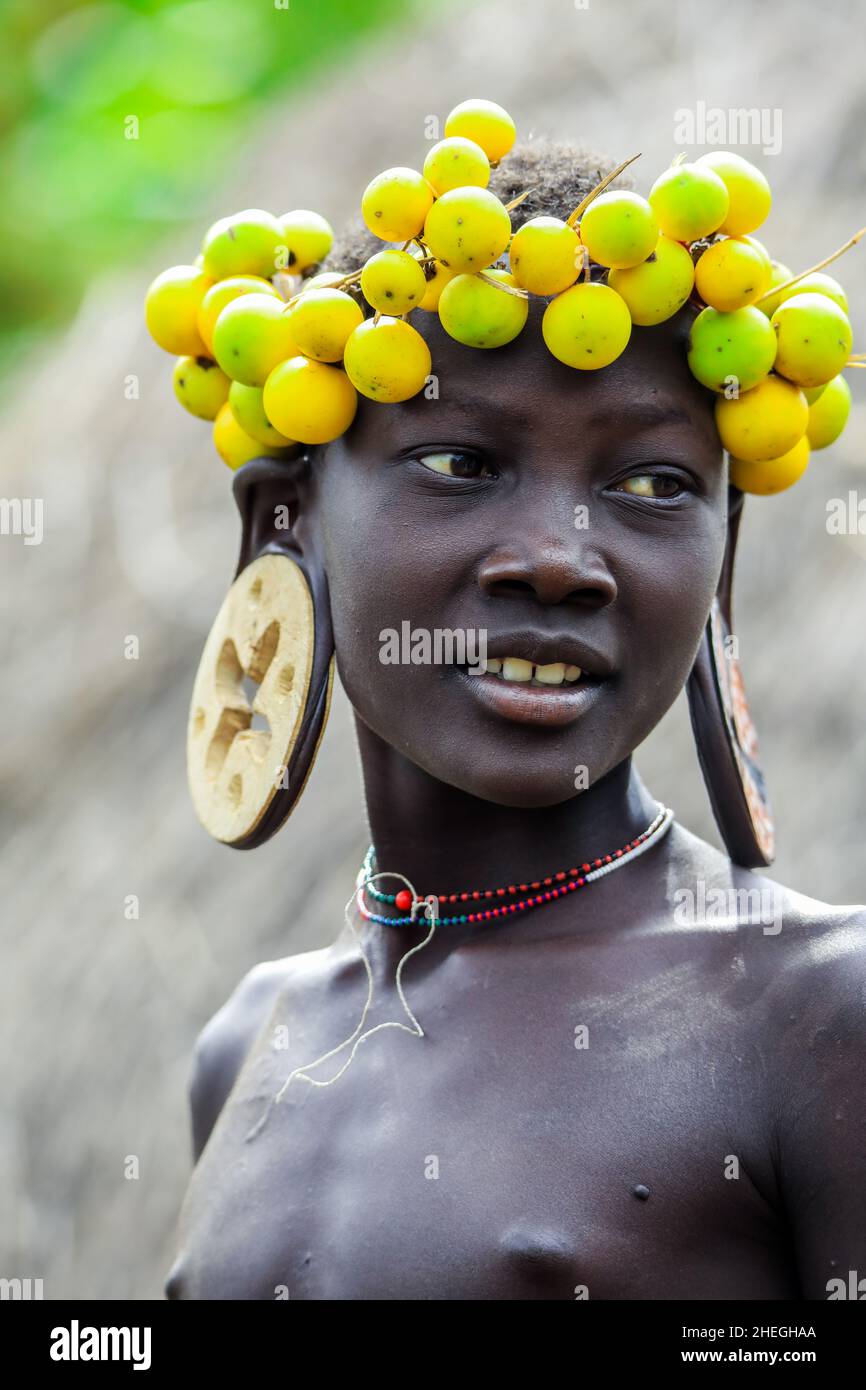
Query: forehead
{"points": [[522, 387]]}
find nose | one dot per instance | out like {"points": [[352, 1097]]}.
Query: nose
{"points": [[549, 571]]}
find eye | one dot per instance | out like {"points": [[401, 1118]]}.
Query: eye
{"points": [[456, 465], [651, 485]]}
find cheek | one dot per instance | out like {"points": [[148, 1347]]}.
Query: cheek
{"points": [[378, 579], [664, 603]]}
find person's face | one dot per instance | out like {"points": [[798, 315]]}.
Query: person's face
{"points": [[576, 518]]}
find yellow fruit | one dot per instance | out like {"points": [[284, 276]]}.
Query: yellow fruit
{"points": [[396, 203], [308, 238], [388, 360], [456, 163], [171, 310], [325, 280], [732, 274], [828, 415], [221, 294], [587, 326], [779, 273], [467, 229], [247, 403], [474, 312], [749, 195], [488, 124], [619, 229], [659, 288], [200, 386], [393, 282], [251, 336], [546, 255], [321, 320], [763, 423], [813, 338], [234, 446], [770, 475], [309, 401], [816, 283], [689, 202], [435, 285]]}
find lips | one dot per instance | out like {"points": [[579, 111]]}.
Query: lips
{"points": [[533, 679]]}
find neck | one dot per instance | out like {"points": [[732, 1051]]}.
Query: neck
{"points": [[445, 840]]}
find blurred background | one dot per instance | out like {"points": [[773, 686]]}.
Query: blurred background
{"points": [[126, 127]]}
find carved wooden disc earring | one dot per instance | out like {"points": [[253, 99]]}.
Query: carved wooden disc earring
{"points": [[242, 740]]}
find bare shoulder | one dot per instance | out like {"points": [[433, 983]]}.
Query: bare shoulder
{"points": [[789, 958], [228, 1036]]}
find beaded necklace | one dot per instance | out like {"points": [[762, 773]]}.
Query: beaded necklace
{"points": [[542, 891]]}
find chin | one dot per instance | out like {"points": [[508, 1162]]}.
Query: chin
{"points": [[519, 788]]}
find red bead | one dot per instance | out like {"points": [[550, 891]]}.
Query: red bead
{"points": [[403, 900]]}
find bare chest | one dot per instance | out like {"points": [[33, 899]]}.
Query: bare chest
{"points": [[563, 1153]]}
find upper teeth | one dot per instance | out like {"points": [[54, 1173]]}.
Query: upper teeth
{"points": [[515, 668]]}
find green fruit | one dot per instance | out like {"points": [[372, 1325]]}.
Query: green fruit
{"points": [[251, 337], [739, 345], [244, 244], [474, 312]]}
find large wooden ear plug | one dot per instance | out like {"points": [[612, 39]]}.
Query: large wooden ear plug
{"points": [[249, 699]]}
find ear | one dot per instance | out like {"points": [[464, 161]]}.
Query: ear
{"points": [[724, 588], [271, 496], [725, 736], [288, 622]]}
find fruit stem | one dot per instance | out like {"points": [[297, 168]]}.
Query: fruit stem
{"points": [[498, 284], [515, 202], [828, 260], [575, 217]]}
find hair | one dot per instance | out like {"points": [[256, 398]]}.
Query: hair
{"points": [[557, 174]]}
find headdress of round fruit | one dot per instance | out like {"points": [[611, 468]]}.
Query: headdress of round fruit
{"points": [[275, 353]]}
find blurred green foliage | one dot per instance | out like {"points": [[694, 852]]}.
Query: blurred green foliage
{"points": [[78, 79]]}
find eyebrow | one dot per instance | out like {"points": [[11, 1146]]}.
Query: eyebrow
{"points": [[634, 414], [644, 413]]}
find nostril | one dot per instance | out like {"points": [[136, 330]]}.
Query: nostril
{"points": [[510, 586], [588, 597]]}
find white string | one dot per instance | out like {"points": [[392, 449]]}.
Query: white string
{"points": [[659, 826], [428, 906]]}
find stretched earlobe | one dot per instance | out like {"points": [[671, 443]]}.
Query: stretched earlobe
{"points": [[725, 736], [249, 758]]}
